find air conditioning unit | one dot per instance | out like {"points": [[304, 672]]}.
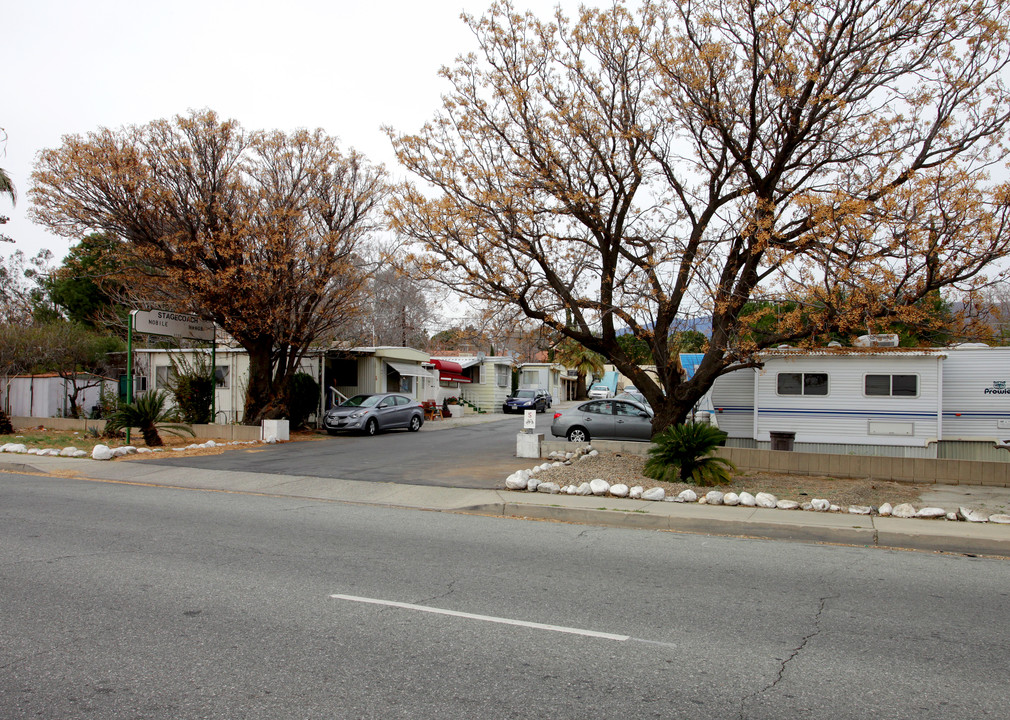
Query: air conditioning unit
{"points": [[885, 340]]}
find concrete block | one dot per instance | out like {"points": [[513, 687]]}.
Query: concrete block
{"points": [[528, 444], [276, 429]]}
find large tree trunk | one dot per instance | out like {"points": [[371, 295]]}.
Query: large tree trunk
{"points": [[266, 394]]}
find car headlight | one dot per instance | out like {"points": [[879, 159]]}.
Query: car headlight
{"points": [[357, 414]]}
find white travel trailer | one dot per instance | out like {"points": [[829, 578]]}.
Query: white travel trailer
{"points": [[939, 402]]}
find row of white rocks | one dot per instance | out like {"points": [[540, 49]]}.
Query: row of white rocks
{"points": [[527, 480], [104, 452]]}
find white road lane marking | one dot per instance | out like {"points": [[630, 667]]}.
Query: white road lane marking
{"points": [[485, 618]]}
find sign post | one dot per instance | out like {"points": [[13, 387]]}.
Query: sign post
{"points": [[180, 325]]}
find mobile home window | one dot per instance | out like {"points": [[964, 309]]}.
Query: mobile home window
{"points": [[502, 375], [892, 385], [802, 383]]}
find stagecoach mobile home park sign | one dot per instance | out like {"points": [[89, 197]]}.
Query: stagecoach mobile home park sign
{"points": [[162, 322]]}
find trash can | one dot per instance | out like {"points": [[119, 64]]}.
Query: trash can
{"points": [[783, 440]]}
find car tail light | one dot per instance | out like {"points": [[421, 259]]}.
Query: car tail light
{"points": [[557, 415]]}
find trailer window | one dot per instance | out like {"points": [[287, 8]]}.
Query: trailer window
{"points": [[802, 383], [891, 385]]}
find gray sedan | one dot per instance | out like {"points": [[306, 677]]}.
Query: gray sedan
{"points": [[371, 413], [611, 419]]}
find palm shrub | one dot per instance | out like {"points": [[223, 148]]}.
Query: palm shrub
{"points": [[149, 414], [683, 453]]}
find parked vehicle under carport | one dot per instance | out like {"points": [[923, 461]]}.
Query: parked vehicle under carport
{"points": [[374, 413]]}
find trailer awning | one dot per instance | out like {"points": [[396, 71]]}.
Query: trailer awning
{"points": [[407, 369], [449, 371]]}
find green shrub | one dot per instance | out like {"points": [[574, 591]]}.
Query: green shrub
{"points": [[193, 395], [682, 453], [304, 399]]}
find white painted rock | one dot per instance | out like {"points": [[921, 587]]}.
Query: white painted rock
{"points": [[33, 451], [571, 490], [129, 450], [835, 508], [973, 515], [119, 452], [787, 504], [80, 454], [68, 451], [747, 499], [101, 452], [584, 489], [515, 481], [551, 488], [931, 513], [806, 506], [731, 498], [619, 490], [599, 486], [820, 504], [636, 492], [885, 510], [714, 497], [144, 451], [557, 464], [532, 483], [1000, 519], [687, 496], [904, 510], [594, 453], [952, 516], [766, 500], [859, 510], [655, 494]]}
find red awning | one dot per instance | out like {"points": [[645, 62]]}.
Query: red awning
{"points": [[449, 371]]}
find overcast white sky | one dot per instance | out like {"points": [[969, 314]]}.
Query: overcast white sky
{"points": [[347, 67]]}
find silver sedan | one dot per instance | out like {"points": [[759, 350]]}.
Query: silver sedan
{"points": [[371, 413], [610, 419]]}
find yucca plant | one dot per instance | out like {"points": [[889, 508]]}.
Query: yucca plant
{"points": [[683, 453], [148, 413]]}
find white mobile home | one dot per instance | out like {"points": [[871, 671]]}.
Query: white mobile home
{"points": [[548, 376], [339, 372], [940, 402]]}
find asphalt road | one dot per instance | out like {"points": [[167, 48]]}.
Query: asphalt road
{"points": [[469, 456], [124, 601]]}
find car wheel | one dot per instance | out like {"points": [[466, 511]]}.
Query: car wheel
{"points": [[415, 423], [371, 427], [577, 434]]}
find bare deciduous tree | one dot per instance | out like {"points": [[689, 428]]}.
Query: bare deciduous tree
{"points": [[257, 231], [631, 170]]}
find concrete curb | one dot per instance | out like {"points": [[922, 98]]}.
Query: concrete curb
{"points": [[768, 524]]}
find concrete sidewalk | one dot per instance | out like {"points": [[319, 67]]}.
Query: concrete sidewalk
{"points": [[846, 529]]}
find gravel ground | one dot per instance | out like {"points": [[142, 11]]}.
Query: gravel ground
{"points": [[627, 469]]}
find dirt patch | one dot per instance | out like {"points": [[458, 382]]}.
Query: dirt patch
{"points": [[627, 469]]}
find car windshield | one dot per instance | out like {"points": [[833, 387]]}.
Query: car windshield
{"points": [[524, 394], [361, 401]]}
